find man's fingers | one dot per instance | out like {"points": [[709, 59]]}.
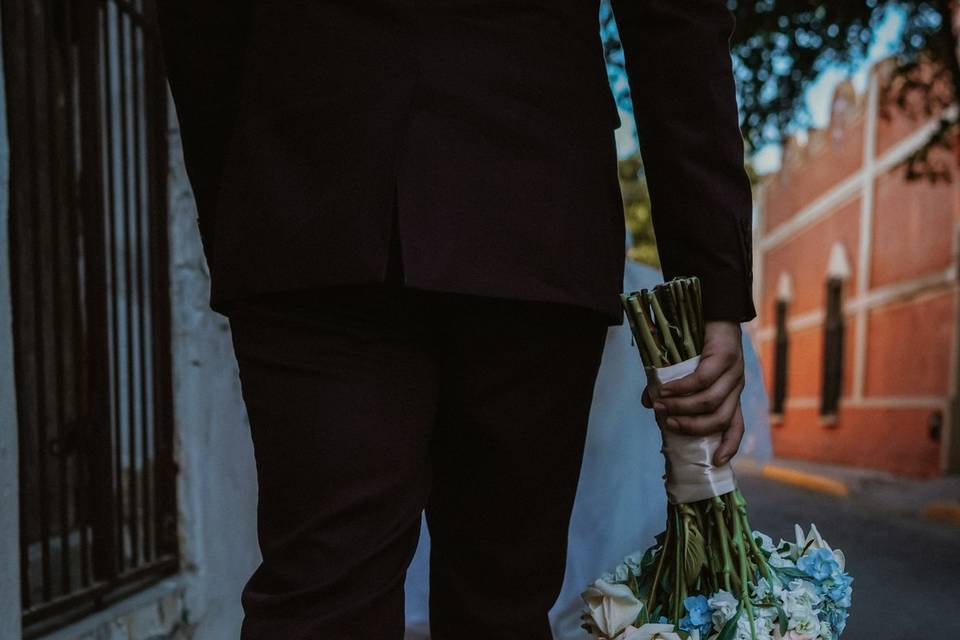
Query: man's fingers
{"points": [[708, 370], [645, 399], [705, 424], [706, 401], [732, 437]]}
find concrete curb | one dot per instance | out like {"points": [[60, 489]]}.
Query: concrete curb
{"points": [[943, 511], [810, 481], [788, 475]]}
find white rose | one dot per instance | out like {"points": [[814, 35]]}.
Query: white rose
{"points": [[611, 607], [652, 632], [724, 606]]}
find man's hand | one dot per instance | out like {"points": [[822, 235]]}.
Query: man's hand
{"points": [[708, 400]]}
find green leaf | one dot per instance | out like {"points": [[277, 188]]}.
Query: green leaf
{"points": [[656, 612], [781, 618], [790, 572], [648, 559], [730, 629], [694, 547]]}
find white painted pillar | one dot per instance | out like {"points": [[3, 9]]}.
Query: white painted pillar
{"points": [[868, 186]]}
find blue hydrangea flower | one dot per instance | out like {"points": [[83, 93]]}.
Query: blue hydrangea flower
{"points": [[698, 615], [818, 563], [838, 589], [838, 620]]}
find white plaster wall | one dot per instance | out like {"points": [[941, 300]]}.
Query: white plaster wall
{"points": [[9, 521], [217, 484]]}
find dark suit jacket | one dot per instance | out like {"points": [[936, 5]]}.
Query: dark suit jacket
{"points": [[488, 124]]}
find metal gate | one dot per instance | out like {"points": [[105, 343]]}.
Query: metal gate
{"points": [[87, 116]]}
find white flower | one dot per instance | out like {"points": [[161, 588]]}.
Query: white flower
{"points": [[800, 595], [804, 622], [779, 561], [621, 573], [766, 542], [788, 549], [611, 607], [762, 589], [791, 635], [768, 613], [816, 541], [724, 606], [632, 562], [654, 632], [763, 627], [825, 630]]}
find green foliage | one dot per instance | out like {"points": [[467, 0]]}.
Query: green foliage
{"points": [[780, 47], [636, 208]]}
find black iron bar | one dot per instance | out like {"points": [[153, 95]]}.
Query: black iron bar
{"points": [[98, 447], [58, 205], [40, 353], [141, 250], [78, 340], [165, 514], [123, 37], [110, 211]]}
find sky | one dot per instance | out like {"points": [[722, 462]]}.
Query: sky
{"points": [[819, 95]]}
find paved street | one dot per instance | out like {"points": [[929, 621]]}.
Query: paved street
{"points": [[906, 570]]}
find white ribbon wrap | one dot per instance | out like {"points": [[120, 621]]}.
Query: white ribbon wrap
{"points": [[690, 475]]}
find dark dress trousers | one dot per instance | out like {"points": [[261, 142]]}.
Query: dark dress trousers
{"points": [[411, 215]]}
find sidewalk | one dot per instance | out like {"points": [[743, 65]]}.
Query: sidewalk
{"points": [[936, 499]]}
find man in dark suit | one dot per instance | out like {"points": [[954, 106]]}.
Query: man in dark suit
{"points": [[411, 214]]}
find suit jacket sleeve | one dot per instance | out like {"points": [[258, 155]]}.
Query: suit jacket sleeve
{"points": [[678, 63], [203, 45]]}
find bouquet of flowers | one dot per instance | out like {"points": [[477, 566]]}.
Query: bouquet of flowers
{"points": [[709, 576]]}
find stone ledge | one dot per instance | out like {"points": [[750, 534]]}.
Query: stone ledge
{"points": [[156, 613]]}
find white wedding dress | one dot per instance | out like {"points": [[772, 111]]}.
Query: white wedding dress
{"points": [[620, 504]]}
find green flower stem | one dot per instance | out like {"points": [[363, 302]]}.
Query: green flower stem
{"points": [[645, 336], [632, 321], [696, 320], [759, 559], [665, 332], [677, 288], [718, 508], [667, 539], [742, 557], [697, 303], [686, 318]]}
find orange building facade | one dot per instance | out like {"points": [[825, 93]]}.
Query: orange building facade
{"points": [[862, 371]]}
